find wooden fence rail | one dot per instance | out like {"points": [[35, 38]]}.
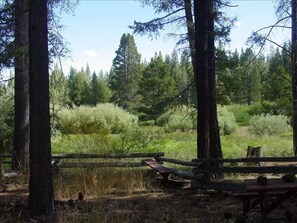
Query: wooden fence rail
{"points": [[105, 156], [78, 160], [239, 160]]}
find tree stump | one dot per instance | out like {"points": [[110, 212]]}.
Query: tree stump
{"points": [[254, 152]]}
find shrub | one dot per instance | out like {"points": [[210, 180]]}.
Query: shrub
{"points": [[6, 118], [180, 118], [269, 125], [240, 113], [256, 109], [227, 121], [131, 140], [89, 120]]}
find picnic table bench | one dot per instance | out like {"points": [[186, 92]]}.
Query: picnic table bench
{"points": [[277, 188], [164, 171]]}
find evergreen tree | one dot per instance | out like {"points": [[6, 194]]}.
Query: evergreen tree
{"points": [[41, 190], [125, 75], [58, 93], [94, 90], [157, 87], [180, 78], [188, 95], [79, 87], [276, 83], [103, 88]]}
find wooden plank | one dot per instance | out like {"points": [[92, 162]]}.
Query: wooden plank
{"points": [[115, 156], [239, 160], [226, 186], [272, 185], [176, 161], [97, 165], [246, 194], [243, 169], [157, 166]]}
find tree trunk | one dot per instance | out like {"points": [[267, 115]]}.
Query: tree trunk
{"points": [[41, 193], [215, 141], [294, 75], [191, 31], [201, 78], [21, 98], [1, 168]]}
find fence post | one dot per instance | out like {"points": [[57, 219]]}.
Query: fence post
{"points": [[254, 152]]}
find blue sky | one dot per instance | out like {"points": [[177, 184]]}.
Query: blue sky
{"points": [[95, 29]]}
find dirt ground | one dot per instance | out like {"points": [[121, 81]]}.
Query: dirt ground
{"points": [[166, 203]]}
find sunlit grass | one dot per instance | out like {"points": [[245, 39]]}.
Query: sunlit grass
{"points": [[93, 183], [179, 145]]}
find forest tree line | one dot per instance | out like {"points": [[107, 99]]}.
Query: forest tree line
{"points": [[148, 89]]}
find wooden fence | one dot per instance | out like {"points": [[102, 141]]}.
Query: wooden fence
{"points": [[96, 160], [200, 167]]}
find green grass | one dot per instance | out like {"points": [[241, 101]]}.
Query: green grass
{"points": [[178, 145]]}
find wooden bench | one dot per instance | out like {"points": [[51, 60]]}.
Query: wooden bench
{"points": [[164, 171], [246, 198], [277, 188]]}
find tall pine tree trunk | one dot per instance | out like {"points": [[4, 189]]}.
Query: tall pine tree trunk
{"points": [[41, 193], [294, 74], [191, 31], [21, 99], [209, 144], [1, 168], [215, 141], [201, 78]]}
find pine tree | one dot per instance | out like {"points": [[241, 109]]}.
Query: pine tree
{"points": [[125, 76], [157, 87], [79, 87], [41, 191]]}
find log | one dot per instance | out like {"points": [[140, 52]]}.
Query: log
{"points": [[226, 186], [176, 161], [97, 165], [111, 156], [238, 160], [262, 169]]}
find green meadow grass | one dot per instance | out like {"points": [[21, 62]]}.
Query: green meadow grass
{"points": [[178, 145]]}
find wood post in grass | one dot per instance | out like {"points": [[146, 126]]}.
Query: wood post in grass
{"points": [[254, 152]]}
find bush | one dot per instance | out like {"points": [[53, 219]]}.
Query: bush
{"points": [[88, 120], [6, 117], [243, 113], [131, 140], [180, 118], [240, 113], [269, 125], [227, 121]]}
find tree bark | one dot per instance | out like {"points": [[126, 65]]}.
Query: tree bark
{"points": [[215, 141], [1, 168], [191, 31], [201, 78], [294, 75], [21, 98], [41, 193]]}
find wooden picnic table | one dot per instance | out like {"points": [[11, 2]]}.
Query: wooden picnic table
{"points": [[275, 187]]}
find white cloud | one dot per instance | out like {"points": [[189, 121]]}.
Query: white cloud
{"points": [[237, 24], [91, 53]]}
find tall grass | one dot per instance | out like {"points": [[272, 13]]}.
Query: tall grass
{"points": [[98, 187], [179, 145], [93, 183]]}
